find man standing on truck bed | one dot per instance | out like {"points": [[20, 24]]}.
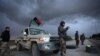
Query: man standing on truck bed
{"points": [[5, 36], [62, 35]]}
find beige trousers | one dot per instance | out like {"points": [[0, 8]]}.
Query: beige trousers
{"points": [[5, 50]]}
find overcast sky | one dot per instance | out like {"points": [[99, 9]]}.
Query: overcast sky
{"points": [[81, 15]]}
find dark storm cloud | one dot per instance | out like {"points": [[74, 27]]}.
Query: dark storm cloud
{"points": [[17, 10], [20, 12], [61, 7]]}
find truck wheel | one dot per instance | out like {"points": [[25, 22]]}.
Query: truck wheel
{"points": [[55, 51], [35, 50], [19, 47]]}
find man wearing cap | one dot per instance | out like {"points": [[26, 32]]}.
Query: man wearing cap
{"points": [[5, 36], [62, 34]]}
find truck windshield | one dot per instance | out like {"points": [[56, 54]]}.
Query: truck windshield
{"points": [[34, 31]]}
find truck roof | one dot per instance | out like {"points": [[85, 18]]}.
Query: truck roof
{"points": [[35, 28], [32, 27]]}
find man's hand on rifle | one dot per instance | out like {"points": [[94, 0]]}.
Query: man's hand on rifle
{"points": [[67, 27]]}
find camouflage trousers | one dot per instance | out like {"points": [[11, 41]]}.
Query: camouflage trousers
{"points": [[5, 49], [63, 47]]}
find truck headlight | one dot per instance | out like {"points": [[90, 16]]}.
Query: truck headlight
{"points": [[45, 39]]}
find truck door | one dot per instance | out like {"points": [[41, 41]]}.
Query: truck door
{"points": [[25, 36]]}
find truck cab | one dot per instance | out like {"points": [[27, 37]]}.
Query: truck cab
{"points": [[37, 40]]}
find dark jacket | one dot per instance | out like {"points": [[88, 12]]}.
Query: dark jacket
{"points": [[62, 32], [5, 36], [82, 37], [76, 36]]}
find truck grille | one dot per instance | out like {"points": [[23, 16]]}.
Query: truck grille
{"points": [[54, 39]]}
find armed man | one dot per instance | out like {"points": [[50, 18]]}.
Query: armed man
{"points": [[5, 36], [62, 35], [82, 38], [77, 38]]}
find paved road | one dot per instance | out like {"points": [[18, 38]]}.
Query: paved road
{"points": [[96, 42], [80, 51]]}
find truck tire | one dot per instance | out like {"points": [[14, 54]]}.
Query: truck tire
{"points": [[35, 50], [56, 51], [19, 47]]}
